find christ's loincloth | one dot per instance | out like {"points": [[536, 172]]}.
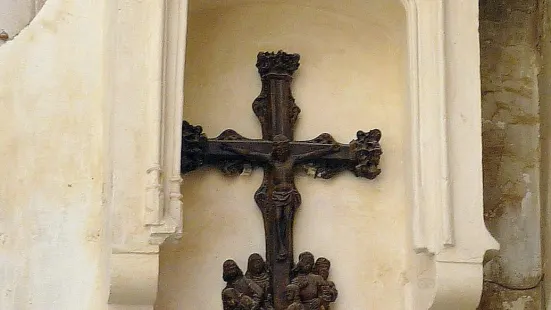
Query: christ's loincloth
{"points": [[286, 195]]}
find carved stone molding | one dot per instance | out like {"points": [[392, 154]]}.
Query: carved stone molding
{"points": [[145, 132], [134, 275], [448, 229], [172, 88]]}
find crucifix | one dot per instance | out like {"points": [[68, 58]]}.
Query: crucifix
{"points": [[278, 283]]}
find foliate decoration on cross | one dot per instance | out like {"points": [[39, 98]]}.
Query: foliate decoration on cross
{"points": [[366, 152], [365, 155], [278, 283], [194, 147], [279, 63]]}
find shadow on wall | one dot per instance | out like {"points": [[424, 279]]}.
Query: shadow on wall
{"points": [[15, 16]]}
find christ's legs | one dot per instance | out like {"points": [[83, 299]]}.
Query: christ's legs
{"points": [[285, 200], [281, 219]]}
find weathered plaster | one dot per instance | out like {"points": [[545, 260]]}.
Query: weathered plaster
{"points": [[497, 298], [511, 150], [51, 214], [545, 106]]}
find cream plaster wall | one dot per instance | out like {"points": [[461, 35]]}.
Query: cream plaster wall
{"points": [[353, 76], [51, 137]]}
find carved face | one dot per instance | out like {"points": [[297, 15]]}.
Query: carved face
{"points": [[307, 266], [291, 292], [231, 270], [229, 297], [326, 294], [324, 273], [246, 302], [322, 267], [256, 264], [306, 262]]}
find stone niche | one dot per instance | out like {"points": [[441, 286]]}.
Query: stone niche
{"points": [[414, 238], [353, 75]]}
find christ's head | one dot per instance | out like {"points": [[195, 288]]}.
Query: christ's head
{"points": [[281, 148]]}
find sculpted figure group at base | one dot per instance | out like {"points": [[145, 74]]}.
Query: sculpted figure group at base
{"points": [[250, 291], [309, 288], [315, 291]]}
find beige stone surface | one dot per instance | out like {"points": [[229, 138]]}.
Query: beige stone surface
{"points": [[511, 146], [82, 136], [51, 213], [545, 110]]}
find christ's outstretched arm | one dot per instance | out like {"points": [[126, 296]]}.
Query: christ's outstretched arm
{"points": [[248, 154], [317, 153]]}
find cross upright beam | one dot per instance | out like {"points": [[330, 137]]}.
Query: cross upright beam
{"points": [[277, 198]]}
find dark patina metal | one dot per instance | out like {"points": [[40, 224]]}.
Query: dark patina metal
{"points": [[278, 283]]}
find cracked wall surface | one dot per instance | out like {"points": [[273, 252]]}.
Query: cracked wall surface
{"points": [[52, 215], [509, 37]]}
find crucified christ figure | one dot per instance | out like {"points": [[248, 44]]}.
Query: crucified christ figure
{"points": [[284, 197]]}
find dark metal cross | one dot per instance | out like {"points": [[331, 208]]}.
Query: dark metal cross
{"points": [[277, 197]]}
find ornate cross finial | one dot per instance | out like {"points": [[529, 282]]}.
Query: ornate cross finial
{"points": [[279, 63]]}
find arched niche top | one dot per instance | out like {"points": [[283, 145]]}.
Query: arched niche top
{"points": [[388, 16]]}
